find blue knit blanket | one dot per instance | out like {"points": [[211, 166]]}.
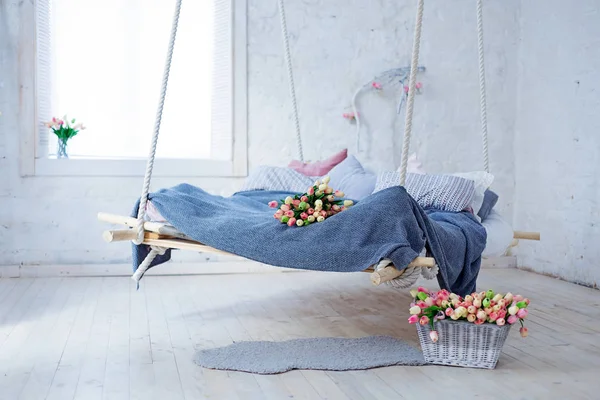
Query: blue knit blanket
{"points": [[387, 224]]}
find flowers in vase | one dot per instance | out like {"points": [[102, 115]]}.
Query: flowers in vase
{"points": [[63, 128], [318, 203], [478, 308]]}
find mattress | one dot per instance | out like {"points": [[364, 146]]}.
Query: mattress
{"points": [[499, 232], [499, 235]]}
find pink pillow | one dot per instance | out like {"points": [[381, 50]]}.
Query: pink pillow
{"points": [[318, 168]]}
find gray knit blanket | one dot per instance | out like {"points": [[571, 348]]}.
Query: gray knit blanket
{"points": [[386, 224]]}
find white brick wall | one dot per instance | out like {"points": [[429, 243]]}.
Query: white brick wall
{"points": [[336, 46], [558, 138]]}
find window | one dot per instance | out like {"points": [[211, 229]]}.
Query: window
{"points": [[102, 63]]}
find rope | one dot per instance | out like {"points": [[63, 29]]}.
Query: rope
{"points": [[288, 60], [154, 251], [161, 104], [409, 276], [411, 92], [482, 89]]}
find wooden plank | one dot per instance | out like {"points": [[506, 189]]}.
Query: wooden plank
{"points": [[526, 235], [66, 379]]}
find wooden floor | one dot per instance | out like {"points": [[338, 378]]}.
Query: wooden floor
{"points": [[99, 338]]}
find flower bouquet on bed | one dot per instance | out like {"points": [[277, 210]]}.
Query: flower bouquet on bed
{"points": [[319, 202], [467, 331]]}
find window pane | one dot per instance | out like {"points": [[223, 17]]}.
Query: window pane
{"points": [[108, 62]]}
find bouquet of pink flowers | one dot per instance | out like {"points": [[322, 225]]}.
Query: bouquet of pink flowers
{"points": [[318, 203], [478, 308]]}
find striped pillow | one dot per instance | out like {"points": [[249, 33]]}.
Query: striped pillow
{"points": [[441, 192], [278, 179]]}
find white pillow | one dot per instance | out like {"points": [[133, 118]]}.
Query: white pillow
{"points": [[499, 235], [442, 192], [483, 180]]}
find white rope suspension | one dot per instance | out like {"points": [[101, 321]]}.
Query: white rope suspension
{"points": [[411, 273], [411, 92], [161, 103], [482, 89], [288, 60]]}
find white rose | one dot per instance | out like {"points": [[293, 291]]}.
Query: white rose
{"points": [[326, 180], [321, 218]]}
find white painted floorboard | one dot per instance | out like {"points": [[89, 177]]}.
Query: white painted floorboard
{"points": [[99, 338]]}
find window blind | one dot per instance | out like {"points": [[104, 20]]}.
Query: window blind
{"points": [[140, 75]]}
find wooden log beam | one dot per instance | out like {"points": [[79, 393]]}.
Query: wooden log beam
{"points": [[157, 227], [129, 234], [526, 235]]}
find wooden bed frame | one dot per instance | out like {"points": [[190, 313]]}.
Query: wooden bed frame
{"points": [[164, 235]]}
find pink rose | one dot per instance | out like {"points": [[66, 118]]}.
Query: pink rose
{"points": [[434, 336], [421, 289], [493, 316], [285, 208], [522, 313], [512, 319], [424, 320], [500, 321], [429, 301], [524, 331], [479, 321], [291, 222], [296, 203], [289, 213], [472, 309], [323, 213], [421, 304], [449, 312], [502, 314], [273, 204], [311, 211], [338, 193], [311, 191], [304, 215], [304, 198], [413, 319]]}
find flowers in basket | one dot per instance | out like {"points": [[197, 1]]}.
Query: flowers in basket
{"points": [[478, 308], [319, 202]]}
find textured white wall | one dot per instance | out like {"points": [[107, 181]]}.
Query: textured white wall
{"points": [[336, 46], [557, 145]]}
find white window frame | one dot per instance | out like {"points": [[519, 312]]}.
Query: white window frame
{"points": [[34, 164]]}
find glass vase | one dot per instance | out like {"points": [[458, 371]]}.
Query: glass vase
{"points": [[61, 151]]}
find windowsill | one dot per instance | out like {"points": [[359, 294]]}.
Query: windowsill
{"points": [[137, 168]]}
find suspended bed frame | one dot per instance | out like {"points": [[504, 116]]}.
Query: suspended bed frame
{"points": [[161, 236]]}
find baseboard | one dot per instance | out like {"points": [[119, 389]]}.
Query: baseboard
{"points": [[203, 268], [499, 262]]}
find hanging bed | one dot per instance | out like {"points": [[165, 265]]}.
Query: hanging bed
{"points": [[395, 233]]}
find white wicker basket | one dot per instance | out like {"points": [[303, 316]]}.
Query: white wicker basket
{"points": [[463, 343]]}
